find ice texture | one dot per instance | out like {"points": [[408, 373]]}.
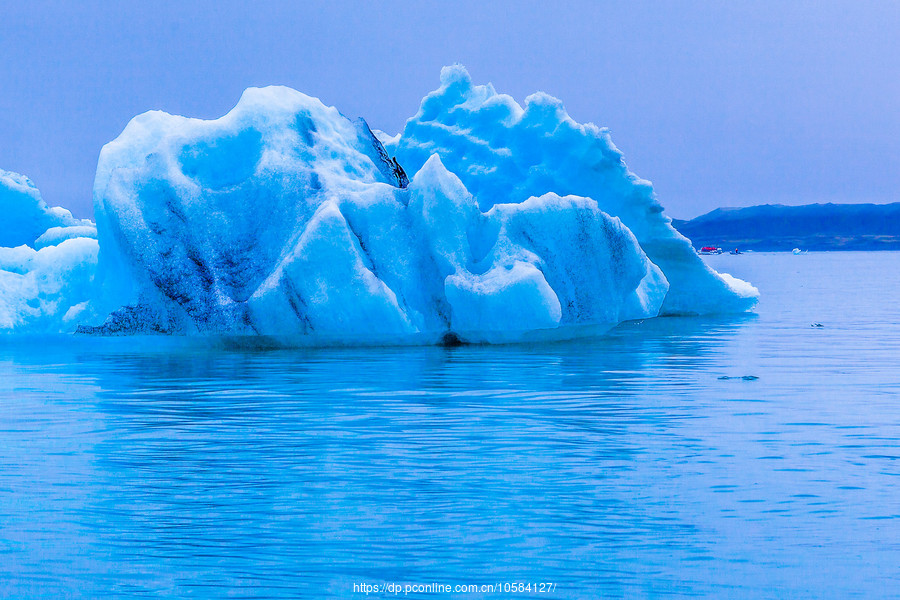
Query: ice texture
{"points": [[47, 261], [47, 290], [56, 235], [24, 215], [285, 219], [505, 153]]}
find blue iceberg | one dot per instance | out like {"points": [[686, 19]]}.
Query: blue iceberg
{"points": [[504, 153], [481, 222], [48, 261]]}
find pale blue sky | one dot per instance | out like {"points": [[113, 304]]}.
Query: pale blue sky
{"points": [[718, 103]]}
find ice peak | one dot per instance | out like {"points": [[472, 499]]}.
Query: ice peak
{"points": [[455, 74]]}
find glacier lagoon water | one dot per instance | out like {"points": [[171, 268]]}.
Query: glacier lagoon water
{"points": [[639, 465]]}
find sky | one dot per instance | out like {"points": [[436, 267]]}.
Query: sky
{"points": [[717, 103]]}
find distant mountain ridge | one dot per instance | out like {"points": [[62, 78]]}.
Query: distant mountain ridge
{"points": [[773, 227]]}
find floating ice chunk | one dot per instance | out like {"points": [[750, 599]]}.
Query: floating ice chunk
{"points": [[46, 290], [24, 215], [44, 273], [505, 153], [285, 219]]}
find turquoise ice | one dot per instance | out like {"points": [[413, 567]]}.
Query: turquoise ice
{"points": [[483, 222]]}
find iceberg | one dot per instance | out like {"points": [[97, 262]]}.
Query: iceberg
{"points": [[48, 260], [284, 220], [25, 214], [47, 290], [506, 153]]}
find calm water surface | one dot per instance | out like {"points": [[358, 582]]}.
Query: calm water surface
{"points": [[622, 467]]}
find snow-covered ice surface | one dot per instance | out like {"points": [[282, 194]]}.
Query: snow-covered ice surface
{"points": [[56, 235], [46, 290], [286, 221], [25, 215], [506, 153], [47, 261]]}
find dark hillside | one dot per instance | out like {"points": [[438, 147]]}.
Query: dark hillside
{"points": [[810, 227]]}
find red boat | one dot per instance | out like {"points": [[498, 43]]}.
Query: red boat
{"points": [[710, 250]]}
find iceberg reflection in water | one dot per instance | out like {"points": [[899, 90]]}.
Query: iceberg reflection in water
{"points": [[620, 466]]}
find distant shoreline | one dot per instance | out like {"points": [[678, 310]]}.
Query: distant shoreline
{"points": [[775, 227]]}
